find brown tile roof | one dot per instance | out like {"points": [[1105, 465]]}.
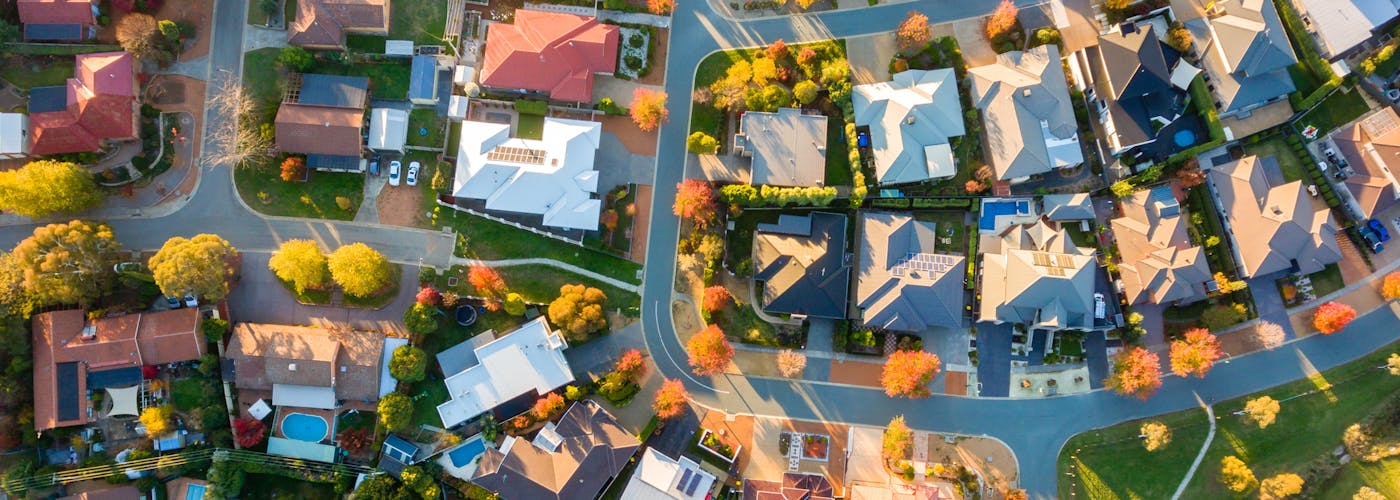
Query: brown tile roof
{"points": [[349, 361], [118, 493], [792, 487], [323, 23], [319, 129], [593, 449], [127, 341], [1159, 264], [1273, 226], [1372, 148]]}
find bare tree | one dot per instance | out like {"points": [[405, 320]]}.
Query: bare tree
{"points": [[234, 139]]}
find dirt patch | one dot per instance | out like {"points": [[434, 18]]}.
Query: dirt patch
{"points": [[198, 14], [399, 206], [179, 93], [989, 457], [687, 320], [856, 373], [640, 223], [636, 141], [657, 76]]}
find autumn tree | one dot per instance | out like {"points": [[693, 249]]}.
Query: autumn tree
{"points": [[806, 56], [897, 440], [301, 263], [777, 51], [717, 298], [1002, 19], [1194, 353], [198, 265], [46, 187], [791, 363], [1280, 486], [1235, 475], [359, 270], [140, 35], [579, 310], [488, 284], [1390, 286], [1136, 372], [156, 420], [1116, 4], [1261, 411], [709, 351], [695, 201], [913, 31], [420, 319], [974, 186], [395, 411], [1366, 493], [1224, 282], [238, 140], [670, 399], [805, 92], [701, 143], [354, 440], [1016, 495], [408, 363], [67, 263], [630, 365], [908, 373], [648, 109], [249, 432], [661, 7], [514, 304], [428, 296], [1191, 175], [1179, 38], [293, 169], [1333, 317], [1392, 364], [1155, 435], [1269, 334], [547, 406], [1357, 442]]}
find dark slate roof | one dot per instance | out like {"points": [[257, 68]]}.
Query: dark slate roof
{"points": [[333, 90], [422, 77], [332, 162], [593, 448], [46, 99], [397, 449], [66, 383], [121, 377], [53, 32], [804, 273], [1138, 68]]}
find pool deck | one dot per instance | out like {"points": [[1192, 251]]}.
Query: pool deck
{"points": [[283, 412]]}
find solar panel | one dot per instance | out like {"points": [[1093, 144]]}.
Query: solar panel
{"points": [[690, 489], [926, 262], [517, 155], [685, 476]]}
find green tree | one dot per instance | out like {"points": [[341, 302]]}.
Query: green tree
{"points": [[359, 270], [169, 29], [805, 91], [46, 187], [408, 363], [395, 411], [214, 329], [578, 311], [301, 263], [515, 304], [295, 58], [420, 319], [197, 265], [1122, 189], [67, 263], [701, 143], [9, 32], [269, 8]]}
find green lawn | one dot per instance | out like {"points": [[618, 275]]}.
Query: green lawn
{"points": [[838, 161], [365, 44], [540, 285], [419, 20], [1292, 168], [269, 487], [255, 14], [263, 81], [529, 126], [1328, 280], [738, 242], [739, 321], [1382, 476], [386, 80], [1112, 462], [427, 395], [315, 198], [426, 120], [454, 137], [486, 239], [1303, 80], [945, 219], [36, 74], [1334, 111]]}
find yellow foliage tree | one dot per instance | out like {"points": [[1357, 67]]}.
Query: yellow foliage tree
{"points": [[359, 269], [156, 420], [197, 265], [301, 263], [46, 187]]}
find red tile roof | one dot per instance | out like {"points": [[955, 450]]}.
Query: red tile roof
{"points": [[101, 105], [549, 52], [56, 12]]}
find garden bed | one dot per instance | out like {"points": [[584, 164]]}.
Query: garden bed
{"points": [[864, 341], [634, 58], [710, 442]]}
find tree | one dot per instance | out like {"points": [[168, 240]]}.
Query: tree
{"points": [[1261, 411], [1136, 372], [214, 329], [1016, 495], [1280, 486], [974, 186], [716, 299], [913, 31], [1116, 4], [1357, 442], [1002, 19], [488, 284], [269, 8], [897, 440], [648, 109], [1190, 175], [354, 440], [514, 304], [768, 98], [420, 319], [156, 420], [395, 411], [238, 140], [805, 91], [293, 169], [248, 432], [359, 270], [295, 58], [1155, 435], [764, 71], [1194, 353], [671, 398], [1390, 286], [197, 265], [791, 363], [1269, 335], [547, 406], [140, 35], [1122, 189], [381, 486], [1366, 493], [1235, 475], [421, 482], [778, 50], [428, 296], [908, 373], [1333, 317], [169, 29], [408, 363], [709, 351], [630, 365], [1392, 364], [1211, 242], [45, 187], [67, 263], [1222, 281], [701, 143], [1179, 38], [806, 56], [661, 7], [695, 201], [10, 32], [301, 263], [578, 310]]}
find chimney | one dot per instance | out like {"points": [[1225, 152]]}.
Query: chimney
{"points": [[909, 120], [1026, 92], [291, 367], [1276, 209]]}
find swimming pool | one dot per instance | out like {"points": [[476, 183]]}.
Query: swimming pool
{"points": [[303, 427], [194, 492], [992, 209], [1184, 138], [465, 454]]}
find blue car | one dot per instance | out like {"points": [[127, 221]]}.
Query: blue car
{"points": [[1382, 233]]}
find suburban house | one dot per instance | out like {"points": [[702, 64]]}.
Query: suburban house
{"points": [[323, 116], [1339, 26], [388, 130], [323, 24], [1274, 225], [185, 488], [510, 372], [788, 148], [1135, 93], [802, 263], [127, 492], [1245, 53], [549, 53], [793, 485], [14, 136], [552, 179], [659, 477], [1067, 207], [75, 357], [1159, 264], [1033, 274], [423, 80], [910, 120], [96, 107], [578, 457], [1371, 147], [1027, 112], [904, 283], [58, 20]]}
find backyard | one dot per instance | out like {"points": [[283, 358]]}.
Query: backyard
{"points": [[419, 20], [1336, 110], [262, 188], [944, 222], [38, 72], [270, 487], [386, 80], [529, 126], [1289, 164], [426, 128]]}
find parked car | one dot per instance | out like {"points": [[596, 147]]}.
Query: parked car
{"points": [[1322, 165], [191, 300], [374, 166], [1371, 240], [395, 171], [1382, 233], [1099, 307], [173, 302], [413, 173]]}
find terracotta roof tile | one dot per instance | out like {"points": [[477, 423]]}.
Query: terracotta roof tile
{"points": [[319, 129], [549, 52], [56, 12], [101, 105], [323, 23]]}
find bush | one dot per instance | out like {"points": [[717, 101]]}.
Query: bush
{"points": [[632, 62], [636, 40]]}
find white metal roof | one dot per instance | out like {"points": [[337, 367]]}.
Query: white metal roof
{"points": [[304, 396], [387, 382], [388, 129], [300, 449], [14, 133], [530, 358], [457, 107], [463, 75], [398, 47], [1343, 24], [659, 477], [552, 177]]}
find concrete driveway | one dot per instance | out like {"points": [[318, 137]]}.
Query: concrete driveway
{"points": [[870, 57], [260, 298]]}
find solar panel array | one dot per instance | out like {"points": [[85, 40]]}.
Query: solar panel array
{"points": [[938, 264], [1054, 264], [517, 155], [694, 482]]}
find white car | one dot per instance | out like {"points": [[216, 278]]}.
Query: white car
{"points": [[413, 173], [191, 300], [1099, 306], [395, 171]]}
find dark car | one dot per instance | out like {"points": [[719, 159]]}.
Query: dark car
{"points": [[1382, 233], [1371, 240]]}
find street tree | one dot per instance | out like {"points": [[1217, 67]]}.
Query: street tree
{"points": [[67, 263], [140, 35], [913, 31], [238, 140], [198, 265], [648, 109], [1155, 435], [709, 351], [46, 187], [359, 270], [578, 311], [1261, 411], [395, 411], [1235, 475], [1390, 286], [1280, 486], [1136, 372], [670, 400], [1333, 317], [661, 7], [695, 201], [408, 363], [301, 263], [907, 374], [1269, 334], [897, 440], [791, 363], [630, 365], [1194, 353], [1002, 19], [420, 319]]}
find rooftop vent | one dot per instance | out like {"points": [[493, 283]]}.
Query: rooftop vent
{"points": [[909, 120], [89, 332], [291, 367], [1026, 92]]}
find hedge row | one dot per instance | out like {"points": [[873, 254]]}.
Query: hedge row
{"points": [[921, 202]]}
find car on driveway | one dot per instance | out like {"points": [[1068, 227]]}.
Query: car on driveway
{"points": [[191, 300], [413, 173], [1382, 233], [1100, 308], [1371, 240], [395, 172], [173, 302]]}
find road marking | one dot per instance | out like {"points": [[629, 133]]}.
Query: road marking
{"points": [[656, 311]]}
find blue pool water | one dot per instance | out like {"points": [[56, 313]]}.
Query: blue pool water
{"points": [[1184, 138], [194, 492], [464, 454], [991, 210], [303, 427]]}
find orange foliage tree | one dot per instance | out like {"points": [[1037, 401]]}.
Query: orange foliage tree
{"points": [[648, 109], [661, 7], [547, 406], [777, 50], [293, 168], [1332, 317], [1136, 372], [670, 399], [974, 186], [630, 365], [716, 299], [1194, 353], [695, 200], [908, 373], [1002, 19], [1390, 287], [488, 284], [913, 31], [709, 351]]}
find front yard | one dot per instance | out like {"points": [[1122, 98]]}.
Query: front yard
{"points": [[262, 188], [539, 284], [486, 239]]}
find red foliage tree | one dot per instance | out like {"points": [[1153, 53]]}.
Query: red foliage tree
{"points": [[709, 351], [806, 56], [353, 440], [293, 168], [1136, 372], [1190, 175], [778, 50], [695, 200], [429, 296], [631, 365], [973, 186], [547, 406], [716, 299], [908, 373], [1194, 353], [248, 432], [488, 284], [670, 399], [648, 109], [913, 32], [1332, 317]]}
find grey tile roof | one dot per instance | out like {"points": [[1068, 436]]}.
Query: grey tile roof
{"points": [[1026, 107], [333, 90], [1060, 207], [804, 272], [911, 119], [788, 147], [1371, 146], [1246, 51], [1132, 75], [1037, 276], [1159, 264], [593, 448], [904, 284], [1274, 225]]}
